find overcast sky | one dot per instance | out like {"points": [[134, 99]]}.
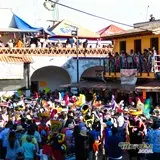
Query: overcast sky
{"points": [[125, 11]]}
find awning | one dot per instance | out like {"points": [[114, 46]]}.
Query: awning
{"points": [[153, 86], [22, 25], [13, 23], [101, 85], [14, 59], [15, 30]]}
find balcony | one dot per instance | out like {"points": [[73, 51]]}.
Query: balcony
{"points": [[82, 52], [145, 68]]}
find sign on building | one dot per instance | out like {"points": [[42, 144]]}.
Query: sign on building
{"points": [[128, 76], [11, 70]]}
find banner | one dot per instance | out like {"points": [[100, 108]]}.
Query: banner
{"points": [[11, 70], [128, 76]]}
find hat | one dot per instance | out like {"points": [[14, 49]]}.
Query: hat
{"points": [[29, 117], [126, 109], [61, 138], [63, 103], [19, 128], [70, 126], [83, 132]]}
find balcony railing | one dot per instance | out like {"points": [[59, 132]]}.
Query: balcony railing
{"points": [[82, 52], [143, 65]]}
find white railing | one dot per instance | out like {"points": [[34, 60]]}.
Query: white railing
{"points": [[156, 64]]}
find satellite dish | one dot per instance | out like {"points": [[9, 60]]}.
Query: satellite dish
{"points": [[49, 5]]}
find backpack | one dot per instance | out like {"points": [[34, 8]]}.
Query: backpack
{"points": [[43, 133], [122, 132], [108, 133], [43, 130]]}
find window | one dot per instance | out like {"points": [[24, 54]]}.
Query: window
{"points": [[137, 45], [123, 46], [154, 43]]}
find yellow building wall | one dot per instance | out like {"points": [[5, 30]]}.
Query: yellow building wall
{"points": [[145, 43]]}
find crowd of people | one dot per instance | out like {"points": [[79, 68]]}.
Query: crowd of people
{"points": [[87, 126], [143, 62], [58, 43]]}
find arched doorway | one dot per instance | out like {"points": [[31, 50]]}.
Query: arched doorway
{"points": [[93, 73], [49, 77]]}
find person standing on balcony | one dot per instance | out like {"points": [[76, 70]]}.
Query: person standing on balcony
{"points": [[1, 44], [85, 44], [98, 43], [132, 53], [117, 62], [10, 43], [152, 59], [19, 44], [129, 61], [122, 60], [154, 52], [59, 44]]}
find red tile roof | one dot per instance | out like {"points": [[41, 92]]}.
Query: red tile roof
{"points": [[111, 29], [15, 58]]}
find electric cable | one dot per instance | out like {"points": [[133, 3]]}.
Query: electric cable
{"points": [[96, 16]]}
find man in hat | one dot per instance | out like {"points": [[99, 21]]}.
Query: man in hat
{"points": [[81, 143], [69, 137], [19, 132]]}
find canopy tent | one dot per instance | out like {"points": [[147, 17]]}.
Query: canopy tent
{"points": [[111, 29], [21, 24], [64, 30], [13, 23]]}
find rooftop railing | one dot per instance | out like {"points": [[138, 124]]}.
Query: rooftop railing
{"points": [[56, 51]]}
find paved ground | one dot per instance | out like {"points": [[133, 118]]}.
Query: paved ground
{"points": [[100, 157]]}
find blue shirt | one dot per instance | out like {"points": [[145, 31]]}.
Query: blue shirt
{"points": [[154, 140], [4, 136], [114, 151], [29, 149], [12, 152], [95, 134]]}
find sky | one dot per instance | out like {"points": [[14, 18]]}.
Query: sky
{"points": [[124, 11]]}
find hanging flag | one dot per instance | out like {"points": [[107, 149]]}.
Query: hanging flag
{"points": [[19, 93], [60, 97], [140, 105], [81, 101], [47, 90], [147, 108]]}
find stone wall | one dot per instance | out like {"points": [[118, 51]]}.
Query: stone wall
{"points": [[7, 85]]}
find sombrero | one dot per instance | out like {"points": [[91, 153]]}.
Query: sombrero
{"points": [[61, 138]]}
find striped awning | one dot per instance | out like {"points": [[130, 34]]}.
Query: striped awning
{"points": [[16, 58]]}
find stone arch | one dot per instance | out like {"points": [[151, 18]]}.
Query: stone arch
{"points": [[95, 72], [89, 63], [51, 77]]}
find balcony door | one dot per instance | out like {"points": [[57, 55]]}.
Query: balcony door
{"points": [[137, 46], [123, 46], [154, 43]]}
